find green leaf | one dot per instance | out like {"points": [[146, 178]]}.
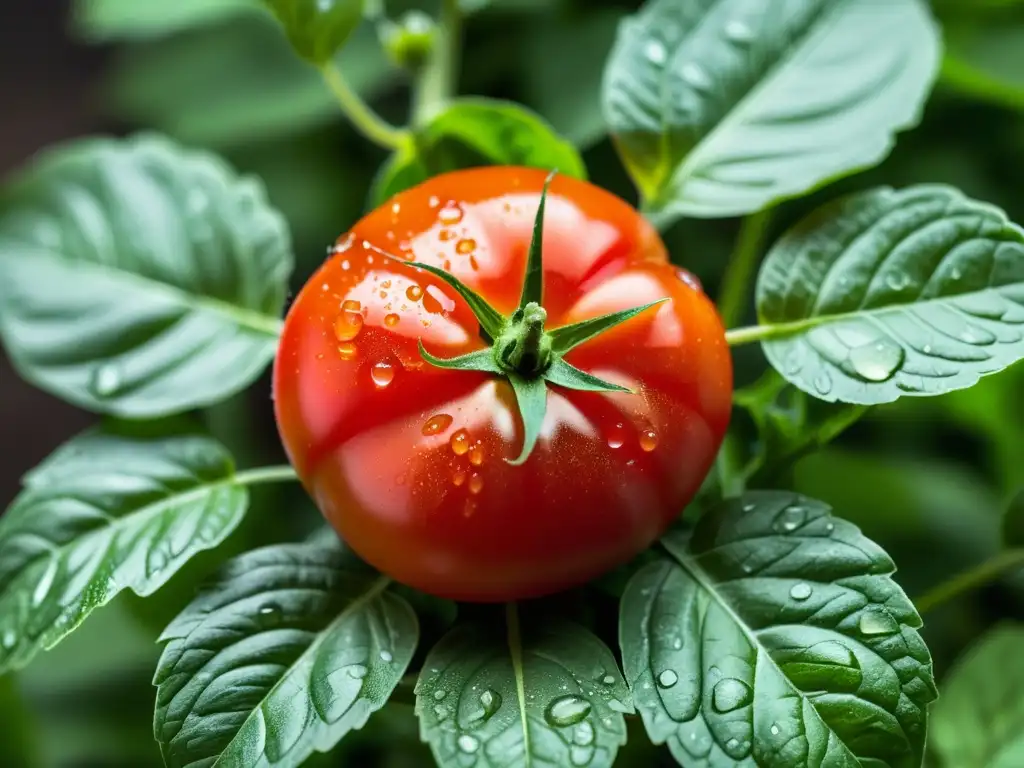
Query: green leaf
{"points": [[290, 649], [1013, 521], [236, 84], [110, 20], [986, 62], [533, 281], [722, 107], [571, 336], [472, 132], [775, 637], [140, 279], [532, 397], [978, 721], [571, 377], [21, 744], [317, 28], [108, 511], [546, 697], [788, 424], [886, 293], [481, 360], [489, 318]]}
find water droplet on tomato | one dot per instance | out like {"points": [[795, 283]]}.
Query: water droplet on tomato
{"points": [[617, 436], [414, 292], [466, 246], [382, 373], [347, 350], [690, 279], [648, 440], [436, 302], [344, 243], [470, 509], [391, 320], [476, 455], [567, 710], [348, 325], [436, 423], [460, 443], [434, 201], [450, 214], [446, 234], [476, 483], [459, 477], [351, 305]]}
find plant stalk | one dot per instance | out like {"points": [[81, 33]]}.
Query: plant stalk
{"points": [[438, 80], [366, 121], [740, 271], [975, 577]]}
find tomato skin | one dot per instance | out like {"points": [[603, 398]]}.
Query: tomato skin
{"points": [[407, 461]]}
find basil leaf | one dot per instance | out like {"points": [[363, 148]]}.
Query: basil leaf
{"points": [[472, 132], [775, 637], [979, 719], [108, 511], [291, 648], [549, 695], [721, 107], [886, 293], [140, 279]]}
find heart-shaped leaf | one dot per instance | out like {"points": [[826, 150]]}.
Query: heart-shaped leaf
{"points": [[317, 28], [473, 132], [885, 293], [720, 107], [979, 719], [548, 696], [140, 279], [776, 637], [291, 648], [108, 511]]}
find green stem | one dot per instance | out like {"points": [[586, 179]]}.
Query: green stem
{"points": [[740, 271], [278, 474], [975, 577], [738, 336], [366, 121], [438, 79]]}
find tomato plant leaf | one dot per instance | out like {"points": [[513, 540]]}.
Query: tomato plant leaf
{"points": [[886, 293], [532, 397], [571, 377], [979, 719], [317, 28], [788, 424], [475, 131], [140, 279], [1013, 521], [549, 695], [721, 107], [110, 20], [108, 511], [288, 650], [571, 336], [775, 636]]}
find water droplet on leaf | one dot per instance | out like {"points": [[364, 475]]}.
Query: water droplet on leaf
{"points": [[730, 694], [655, 52], [567, 710], [440, 693], [357, 671], [877, 622], [106, 380], [608, 679], [584, 734], [667, 678], [490, 702], [775, 729], [791, 518], [386, 657], [800, 591], [696, 76], [739, 32], [823, 383], [440, 711], [877, 362], [468, 744]]}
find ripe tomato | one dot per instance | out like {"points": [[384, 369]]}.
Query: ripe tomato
{"points": [[410, 462]]}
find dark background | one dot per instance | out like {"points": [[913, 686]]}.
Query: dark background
{"points": [[928, 479]]}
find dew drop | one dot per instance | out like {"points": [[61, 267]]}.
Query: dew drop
{"points": [[382, 373], [823, 383], [775, 729], [269, 614], [440, 711], [347, 350], [445, 235], [897, 281], [690, 279], [450, 214], [460, 442], [351, 305], [490, 702], [790, 519], [439, 694], [435, 424], [468, 744], [617, 436], [391, 320], [677, 644], [106, 380], [476, 455], [470, 509], [927, 349], [731, 744], [956, 274], [877, 622], [695, 76], [459, 477], [45, 583], [617, 706], [667, 678], [608, 679], [436, 302], [800, 591], [730, 694], [648, 440], [580, 756], [476, 483], [357, 671], [567, 710], [466, 246], [9, 639], [739, 32], [344, 243], [655, 52], [414, 292], [386, 657], [877, 362], [348, 324], [583, 734]]}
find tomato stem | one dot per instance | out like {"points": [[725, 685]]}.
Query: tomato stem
{"points": [[523, 347], [366, 121]]}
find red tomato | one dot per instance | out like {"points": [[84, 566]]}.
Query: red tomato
{"points": [[408, 461]]}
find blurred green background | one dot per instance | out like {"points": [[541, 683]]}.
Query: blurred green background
{"points": [[928, 479]]}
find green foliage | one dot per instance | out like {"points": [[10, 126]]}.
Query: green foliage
{"points": [[775, 635], [108, 20], [1013, 521], [140, 279], [473, 132], [886, 293], [110, 510], [695, 93], [290, 649], [978, 721], [317, 28], [544, 694]]}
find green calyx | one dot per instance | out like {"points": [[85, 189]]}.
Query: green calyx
{"points": [[529, 355]]}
